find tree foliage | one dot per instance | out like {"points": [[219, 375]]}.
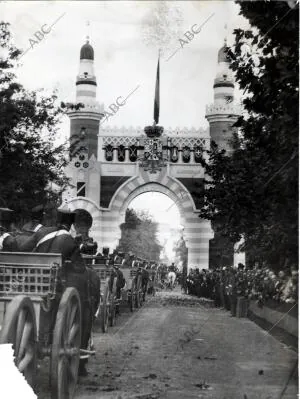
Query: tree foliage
{"points": [[29, 161], [254, 190], [139, 235], [162, 26], [181, 252]]}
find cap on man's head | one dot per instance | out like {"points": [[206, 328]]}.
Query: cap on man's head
{"points": [[105, 251], [111, 261], [65, 216], [38, 212]]}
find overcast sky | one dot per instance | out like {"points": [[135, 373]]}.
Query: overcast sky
{"points": [[126, 36]]}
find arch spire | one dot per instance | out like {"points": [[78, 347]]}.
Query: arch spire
{"points": [[225, 34], [87, 38]]}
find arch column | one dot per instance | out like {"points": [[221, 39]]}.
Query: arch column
{"points": [[192, 160], [197, 233], [115, 155], [180, 155], [126, 154]]}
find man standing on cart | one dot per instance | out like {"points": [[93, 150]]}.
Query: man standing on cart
{"points": [[116, 263], [57, 239], [36, 222]]}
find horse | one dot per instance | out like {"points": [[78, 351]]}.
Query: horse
{"points": [[171, 279]]}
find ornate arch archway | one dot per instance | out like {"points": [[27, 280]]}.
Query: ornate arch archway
{"points": [[197, 232], [106, 222]]}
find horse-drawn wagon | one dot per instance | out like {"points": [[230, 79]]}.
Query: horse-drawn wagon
{"points": [[106, 312], [132, 292], [41, 316], [153, 281]]}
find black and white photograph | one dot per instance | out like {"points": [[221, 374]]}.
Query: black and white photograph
{"points": [[149, 227]]}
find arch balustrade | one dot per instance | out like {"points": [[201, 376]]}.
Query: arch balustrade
{"points": [[174, 149]]}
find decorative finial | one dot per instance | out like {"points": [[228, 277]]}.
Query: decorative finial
{"points": [[225, 38], [87, 37]]}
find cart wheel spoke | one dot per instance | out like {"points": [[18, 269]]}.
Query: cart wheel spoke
{"points": [[66, 346], [63, 379], [72, 373], [20, 327], [27, 359], [25, 340], [73, 314], [67, 321], [75, 329]]}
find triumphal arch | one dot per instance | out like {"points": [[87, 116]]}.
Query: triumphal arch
{"points": [[110, 166]]}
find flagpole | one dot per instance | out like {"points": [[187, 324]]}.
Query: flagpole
{"points": [[157, 92]]}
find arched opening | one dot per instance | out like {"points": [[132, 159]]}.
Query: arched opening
{"points": [[152, 229], [197, 232]]}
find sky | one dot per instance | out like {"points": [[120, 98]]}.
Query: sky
{"points": [[162, 208], [126, 37]]}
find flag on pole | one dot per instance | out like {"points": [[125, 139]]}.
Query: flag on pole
{"points": [[156, 99]]}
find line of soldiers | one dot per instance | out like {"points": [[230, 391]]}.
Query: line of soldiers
{"points": [[225, 285]]}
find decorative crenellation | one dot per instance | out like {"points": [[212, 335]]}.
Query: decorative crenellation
{"points": [[121, 131], [181, 142], [223, 109], [177, 131], [170, 131], [190, 142], [116, 141]]}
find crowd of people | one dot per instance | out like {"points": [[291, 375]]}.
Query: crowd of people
{"points": [[225, 285]]}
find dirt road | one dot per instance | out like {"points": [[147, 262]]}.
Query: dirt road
{"points": [[175, 347]]}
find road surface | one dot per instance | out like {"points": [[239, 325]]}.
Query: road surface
{"points": [[176, 347]]}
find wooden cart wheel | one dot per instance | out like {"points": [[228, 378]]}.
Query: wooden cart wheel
{"points": [[104, 309], [131, 297], [112, 304], [138, 290], [65, 351], [19, 329]]}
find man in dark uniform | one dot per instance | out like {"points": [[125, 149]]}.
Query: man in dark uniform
{"points": [[120, 283], [7, 241], [57, 239], [119, 260], [190, 283], [114, 262], [233, 291], [145, 279], [36, 222], [31, 227]]}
